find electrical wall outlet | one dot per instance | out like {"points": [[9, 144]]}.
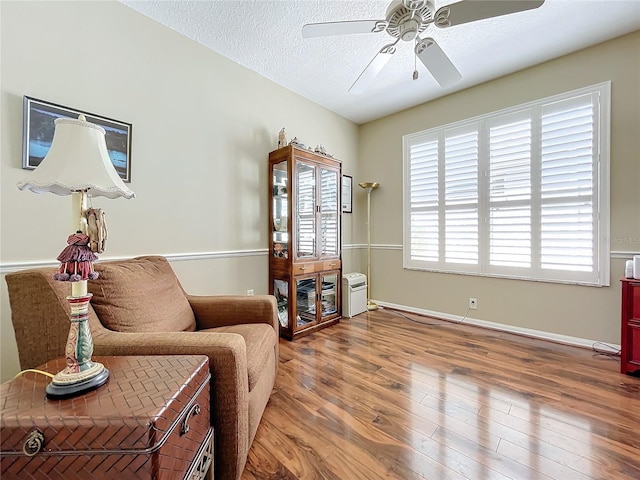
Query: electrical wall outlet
{"points": [[473, 303], [250, 292]]}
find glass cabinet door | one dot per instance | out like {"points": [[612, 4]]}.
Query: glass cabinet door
{"points": [[281, 292], [329, 211], [306, 210], [329, 295], [280, 198], [306, 301]]}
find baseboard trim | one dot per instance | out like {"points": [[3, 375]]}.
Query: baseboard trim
{"points": [[527, 332]]}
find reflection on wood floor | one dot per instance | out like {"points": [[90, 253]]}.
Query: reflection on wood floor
{"points": [[382, 397]]}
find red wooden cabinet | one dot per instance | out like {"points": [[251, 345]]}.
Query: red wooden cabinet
{"points": [[630, 344]]}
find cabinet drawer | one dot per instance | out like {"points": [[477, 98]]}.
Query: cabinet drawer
{"points": [[331, 264], [311, 267], [302, 268]]}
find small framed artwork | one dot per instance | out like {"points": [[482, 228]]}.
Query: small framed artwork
{"points": [[38, 128], [347, 188]]}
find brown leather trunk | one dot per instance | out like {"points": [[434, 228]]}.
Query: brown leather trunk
{"points": [[151, 420]]}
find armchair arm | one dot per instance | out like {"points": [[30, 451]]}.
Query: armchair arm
{"points": [[223, 310], [226, 351], [229, 379]]}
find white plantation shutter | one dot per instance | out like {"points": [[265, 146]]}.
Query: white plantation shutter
{"points": [[510, 190], [423, 172], [461, 196], [521, 193], [567, 185]]}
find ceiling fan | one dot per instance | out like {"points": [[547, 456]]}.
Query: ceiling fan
{"points": [[406, 20]]}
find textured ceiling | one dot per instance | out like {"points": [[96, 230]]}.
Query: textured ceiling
{"points": [[265, 36]]}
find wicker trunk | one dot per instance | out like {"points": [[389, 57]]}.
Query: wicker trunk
{"points": [[150, 421]]}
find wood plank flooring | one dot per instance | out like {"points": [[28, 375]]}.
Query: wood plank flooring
{"points": [[379, 396]]}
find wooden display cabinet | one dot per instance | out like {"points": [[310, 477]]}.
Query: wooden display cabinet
{"points": [[305, 260], [630, 344]]}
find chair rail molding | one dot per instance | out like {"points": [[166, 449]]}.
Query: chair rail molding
{"points": [[180, 257], [172, 257]]}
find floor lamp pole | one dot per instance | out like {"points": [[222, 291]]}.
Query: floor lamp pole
{"points": [[369, 186]]}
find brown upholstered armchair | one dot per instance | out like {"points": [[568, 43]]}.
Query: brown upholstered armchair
{"points": [[139, 308]]}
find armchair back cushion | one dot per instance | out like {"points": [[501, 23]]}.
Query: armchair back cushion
{"points": [[140, 295]]}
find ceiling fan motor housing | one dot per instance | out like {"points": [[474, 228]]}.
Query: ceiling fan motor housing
{"points": [[405, 23]]}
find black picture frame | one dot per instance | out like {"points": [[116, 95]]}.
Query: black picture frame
{"points": [[347, 194], [38, 127]]}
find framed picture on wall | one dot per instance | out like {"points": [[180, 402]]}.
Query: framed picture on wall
{"points": [[347, 188], [38, 128]]}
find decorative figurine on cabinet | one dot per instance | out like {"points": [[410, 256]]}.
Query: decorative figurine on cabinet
{"points": [[296, 143], [282, 138]]}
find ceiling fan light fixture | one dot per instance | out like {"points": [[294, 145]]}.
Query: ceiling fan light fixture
{"points": [[409, 30], [401, 20]]}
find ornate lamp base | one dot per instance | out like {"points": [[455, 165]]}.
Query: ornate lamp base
{"points": [[66, 385], [81, 374]]}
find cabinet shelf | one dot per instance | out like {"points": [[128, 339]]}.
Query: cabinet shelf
{"points": [[305, 264]]}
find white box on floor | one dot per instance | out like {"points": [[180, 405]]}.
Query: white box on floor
{"points": [[354, 294]]}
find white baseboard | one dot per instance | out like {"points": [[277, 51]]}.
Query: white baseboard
{"points": [[527, 332]]}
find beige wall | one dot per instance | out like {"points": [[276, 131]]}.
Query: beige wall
{"points": [[202, 129], [575, 311]]}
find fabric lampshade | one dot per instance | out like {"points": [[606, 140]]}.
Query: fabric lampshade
{"points": [[77, 160]]}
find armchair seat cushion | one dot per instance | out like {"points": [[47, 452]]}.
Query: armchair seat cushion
{"points": [[260, 340], [140, 295]]}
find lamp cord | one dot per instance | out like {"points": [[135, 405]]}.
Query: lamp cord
{"points": [[611, 353], [50, 375]]}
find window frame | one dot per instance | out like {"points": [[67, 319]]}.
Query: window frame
{"points": [[600, 199]]}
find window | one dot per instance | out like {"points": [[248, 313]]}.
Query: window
{"points": [[519, 193]]}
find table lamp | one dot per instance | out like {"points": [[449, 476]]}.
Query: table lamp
{"points": [[369, 187], [77, 164]]}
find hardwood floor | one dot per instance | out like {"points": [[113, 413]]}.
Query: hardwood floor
{"points": [[381, 397]]}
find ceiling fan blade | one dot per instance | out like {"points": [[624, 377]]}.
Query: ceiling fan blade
{"points": [[437, 62], [374, 68], [471, 10], [327, 29]]}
